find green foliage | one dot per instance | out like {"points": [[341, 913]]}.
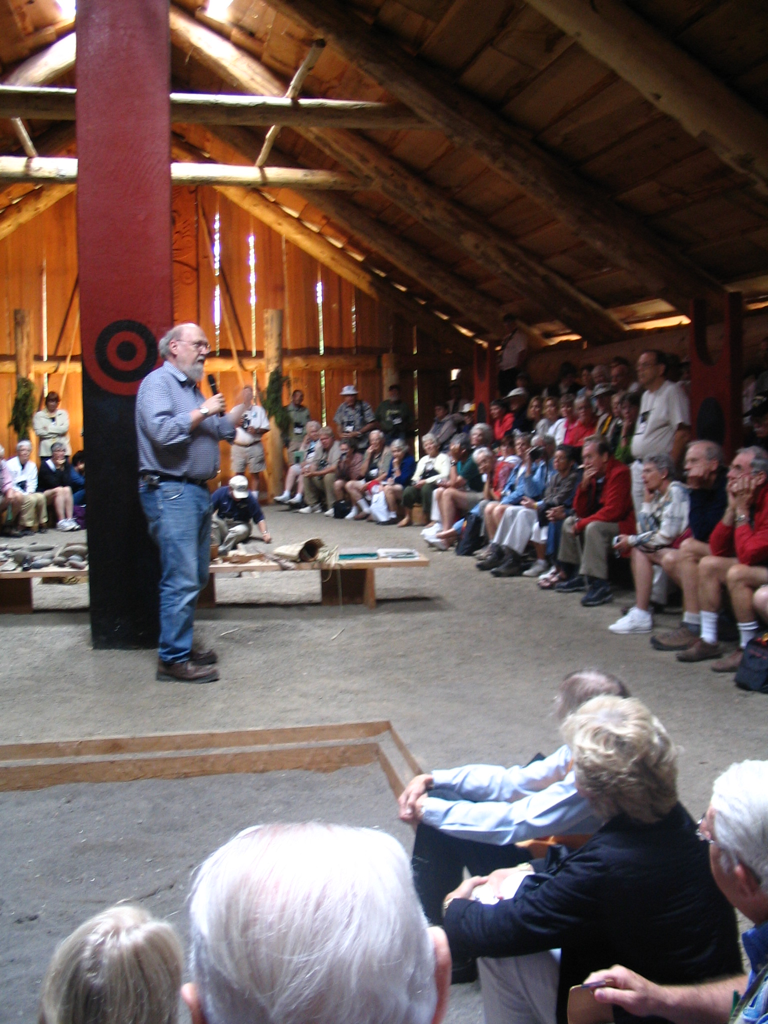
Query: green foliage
{"points": [[273, 401], [23, 408]]}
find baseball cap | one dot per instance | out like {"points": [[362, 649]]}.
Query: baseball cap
{"points": [[518, 393], [602, 389], [239, 485]]}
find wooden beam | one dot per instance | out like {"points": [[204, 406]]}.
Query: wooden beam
{"points": [[22, 343], [46, 66], [30, 206], [617, 233], [58, 104], [669, 78], [459, 226], [63, 170]]}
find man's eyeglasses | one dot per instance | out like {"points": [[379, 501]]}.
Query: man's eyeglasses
{"points": [[201, 346], [703, 832]]}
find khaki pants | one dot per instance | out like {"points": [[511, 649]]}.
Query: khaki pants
{"points": [[228, 534], [34, 511], [318, 489], [589, 549]]}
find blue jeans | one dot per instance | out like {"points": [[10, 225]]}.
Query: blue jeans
{"points": [[179, 519]]}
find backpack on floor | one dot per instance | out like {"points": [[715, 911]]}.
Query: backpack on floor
{"points": [[472, 536], [752, 673], [341, 509]]}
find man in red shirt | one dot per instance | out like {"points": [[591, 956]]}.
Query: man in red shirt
{"points": [[603, 509], [739, 559], [585, 425]]}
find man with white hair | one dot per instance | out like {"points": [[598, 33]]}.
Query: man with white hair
{"points": [[735, 828], [178, 439], [33, 513], [10, 498], [312, 922]]}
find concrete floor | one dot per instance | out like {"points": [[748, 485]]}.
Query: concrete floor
{"points": [[463, 665]]}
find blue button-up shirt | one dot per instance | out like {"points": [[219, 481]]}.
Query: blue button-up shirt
{"points": [[167, 443]]}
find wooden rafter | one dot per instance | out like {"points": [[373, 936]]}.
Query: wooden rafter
{"points": [[612, 230], [58, 104], [669, 78], [31, 206], [459, 226]]}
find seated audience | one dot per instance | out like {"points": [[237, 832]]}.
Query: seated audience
{"points": [[51, 424], [480, 436], [33, 508], [503, 467], [501, 419], [394, 417], [517, 401], [10, 497], [630, 410], [303, 451], [739, 545], [375, 464], [120, 967], [585, 425], [54, 481], [319, 472], [527, 480], [602, 508], [471, 817], [347, 468], [447, 536], [533, 412], [548, 422], [586, 382], [735, 829], [464, 486], [606, 427], [235, 508], [663, 519], [291, 924], [567, 384], [567, 418], [529, 522], [399, 475], [77, 478], [443, 428], [621, 375], [639, 892], [433, 466], [705, 476]]}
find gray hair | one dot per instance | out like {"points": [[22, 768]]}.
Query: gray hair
{"points": [[24, 443], [461, 441], [481, 453], [312, 423], [759, 463], [740, 802], [326, 432], [579, 687], [623, 758], [376, 433], [398, 444], [120, 967], [712, 451], [662, 462], [484, 431], [175, 334], [292, 923], [429, 437], [58, 445]]}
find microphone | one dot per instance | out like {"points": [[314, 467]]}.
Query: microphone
{"points": [[212, 384]]}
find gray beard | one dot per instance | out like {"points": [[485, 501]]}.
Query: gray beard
{"points": [[195, 372]]}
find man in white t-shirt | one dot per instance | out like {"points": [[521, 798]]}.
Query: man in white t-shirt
{"points": [[247, 449], [664, 423]]}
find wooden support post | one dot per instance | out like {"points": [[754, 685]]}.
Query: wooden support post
{"points": [[22, 343], [716, 385], [485, 381], [273, 355], [126, 291], [390, 375]]}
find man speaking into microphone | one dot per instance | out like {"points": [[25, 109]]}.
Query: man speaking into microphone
{"points": [[178, 437]]}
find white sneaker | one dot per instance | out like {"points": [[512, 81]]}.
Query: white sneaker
{"points": [[295, 500], [309, 508], [437, 542], [549, 572], [352, 512], [283, 498], [635, 621], [537, 569], [330, 513], [64, 525]]}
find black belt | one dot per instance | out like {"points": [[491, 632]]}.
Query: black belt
{"points": [[165, 477]]}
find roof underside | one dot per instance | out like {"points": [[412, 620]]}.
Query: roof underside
{"points": [[525, 69]]}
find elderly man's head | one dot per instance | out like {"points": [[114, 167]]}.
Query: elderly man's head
{"points": [[595, 453], [326, 437], [376, 441], [481, 435], [736, 826], [24, 452], [585, 412], [185, 347], [623, 759], [702, 461], [58, 453], [579, 687], [320, 923]]}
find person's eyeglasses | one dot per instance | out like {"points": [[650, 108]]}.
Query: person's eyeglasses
{"points": [[703, 833], [201, 346]]}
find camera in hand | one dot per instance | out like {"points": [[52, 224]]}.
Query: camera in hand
{"points": [[538, 453]]}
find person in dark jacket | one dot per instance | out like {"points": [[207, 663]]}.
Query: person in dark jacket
{"points": [[234, 509], [638, 893], [54, 480], [705, 476]]}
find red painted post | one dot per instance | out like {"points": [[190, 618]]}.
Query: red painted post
{"points": [[126, 297]]}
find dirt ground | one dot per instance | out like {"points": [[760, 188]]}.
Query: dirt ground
{"points": [[463, 665]]}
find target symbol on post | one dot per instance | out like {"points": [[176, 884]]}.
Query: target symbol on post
{"points": [[124, 353]]}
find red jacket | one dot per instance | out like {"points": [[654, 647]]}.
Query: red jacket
{"points": [[615, 501], [747, 543]]}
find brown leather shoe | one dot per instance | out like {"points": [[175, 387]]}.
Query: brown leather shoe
{"points": [[679, 639], [201, 656], [185, 672], [701, 651], [729, 663]]}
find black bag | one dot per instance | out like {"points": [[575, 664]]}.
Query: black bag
{"points": [[752, 673], [472, 536], [341, 509]]}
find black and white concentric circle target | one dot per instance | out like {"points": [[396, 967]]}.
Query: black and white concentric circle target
{"points": [[126, 351]]}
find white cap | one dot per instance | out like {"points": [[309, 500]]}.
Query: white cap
{"points": [[348, 389], [239, 485]]}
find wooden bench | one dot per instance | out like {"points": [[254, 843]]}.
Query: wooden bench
{"points": [[351, 582]]}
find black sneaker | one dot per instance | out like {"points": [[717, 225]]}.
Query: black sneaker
{"points": [[493, 558], [574, 585], [599, 593], [511, 566]]}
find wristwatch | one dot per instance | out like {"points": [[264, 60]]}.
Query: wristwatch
{"points": [[205, 412]]}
